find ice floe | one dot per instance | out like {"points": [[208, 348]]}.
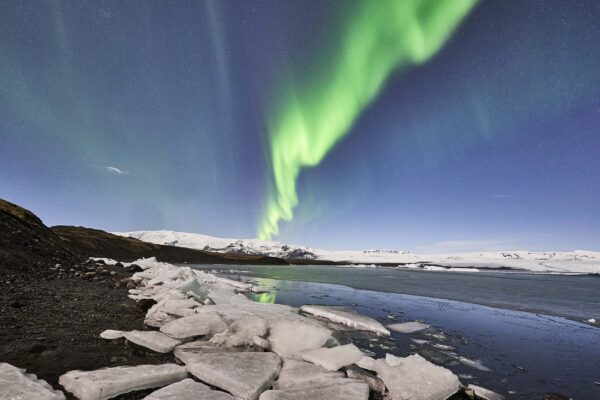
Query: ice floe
{"points": [[408, 327], [188, 389], [109, 382], [333, 358], [15, 384], [245, 375], [346, 390], [290, 338], [296, 374], [346, 316], [153, 340], [414, 378], [485, 394], [194, 325]]}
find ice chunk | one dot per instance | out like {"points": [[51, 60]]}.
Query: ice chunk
{"points": [[243, 333], [366, 362], [473, 364], [111, 334], [333, 358], [408, 327], [188, 352], [244, 375], [188, 389], [301, 374], [194, 325], [414, 378], [290, 338], [349, 390], [152, 340], [375, 384], [15, 384], [348, 317], [484, 393], [109, 382], [235, 284]]}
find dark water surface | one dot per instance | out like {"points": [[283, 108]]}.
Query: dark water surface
{"points": [[519, 354]]}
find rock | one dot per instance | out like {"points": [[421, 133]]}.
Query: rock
{"points": [[348, 317], [350, 390], [485, 394], [414, 378], [408, 327], [153, 340], [195, 325], [111, 334], [290, 338], [333, 358], [244, 375], [133, 268], [357, 373], [247, 332], [556, 396], [188, 389], [296, 374], [15, 384], [89, 275], [109, 382], [131, 285]]}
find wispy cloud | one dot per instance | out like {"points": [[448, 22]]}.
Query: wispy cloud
{"points": [[116, 170]]}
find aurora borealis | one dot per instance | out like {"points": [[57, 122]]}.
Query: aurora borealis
{"points": [[424, 126], [318, 111]]}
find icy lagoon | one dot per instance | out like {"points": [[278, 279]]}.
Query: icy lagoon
{"points": [[521, 353]]}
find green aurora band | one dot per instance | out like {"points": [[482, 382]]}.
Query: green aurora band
{"points": [[384, 36]]}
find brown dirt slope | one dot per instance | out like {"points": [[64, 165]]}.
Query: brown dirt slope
{"points": [[97, 243]]}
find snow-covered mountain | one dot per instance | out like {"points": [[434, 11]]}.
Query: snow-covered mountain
{"points": [[549, 262]]}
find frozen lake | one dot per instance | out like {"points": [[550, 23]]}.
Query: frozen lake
{"points": [[513, 352]]}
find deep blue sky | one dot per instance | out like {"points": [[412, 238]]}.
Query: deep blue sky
{"points": [[493, 144]]}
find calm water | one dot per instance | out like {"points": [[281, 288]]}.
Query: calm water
{"points": [[526, 354]]}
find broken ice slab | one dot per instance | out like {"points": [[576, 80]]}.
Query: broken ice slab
{"points": [[109, 382], [153, 340], [246, 332], [244, 375], [333, 358], [408, 327], [484, 393], [348, 317], [188, 389], [296, 374], [349, 390], [111, 334], [187, 352], [357, 373], [414, 378], [194, 325], [290, 338], [16, 384], [366, 362]]}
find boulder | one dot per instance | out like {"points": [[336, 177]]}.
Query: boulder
{"points": [[244, 375], [333, 358], [348, 317], [16, 384], [110, 382], [415, 378]]}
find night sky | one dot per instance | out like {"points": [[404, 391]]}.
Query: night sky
{"points": [[176, 115]]}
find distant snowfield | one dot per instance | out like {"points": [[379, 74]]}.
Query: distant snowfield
{"points": [[573, 262]]}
